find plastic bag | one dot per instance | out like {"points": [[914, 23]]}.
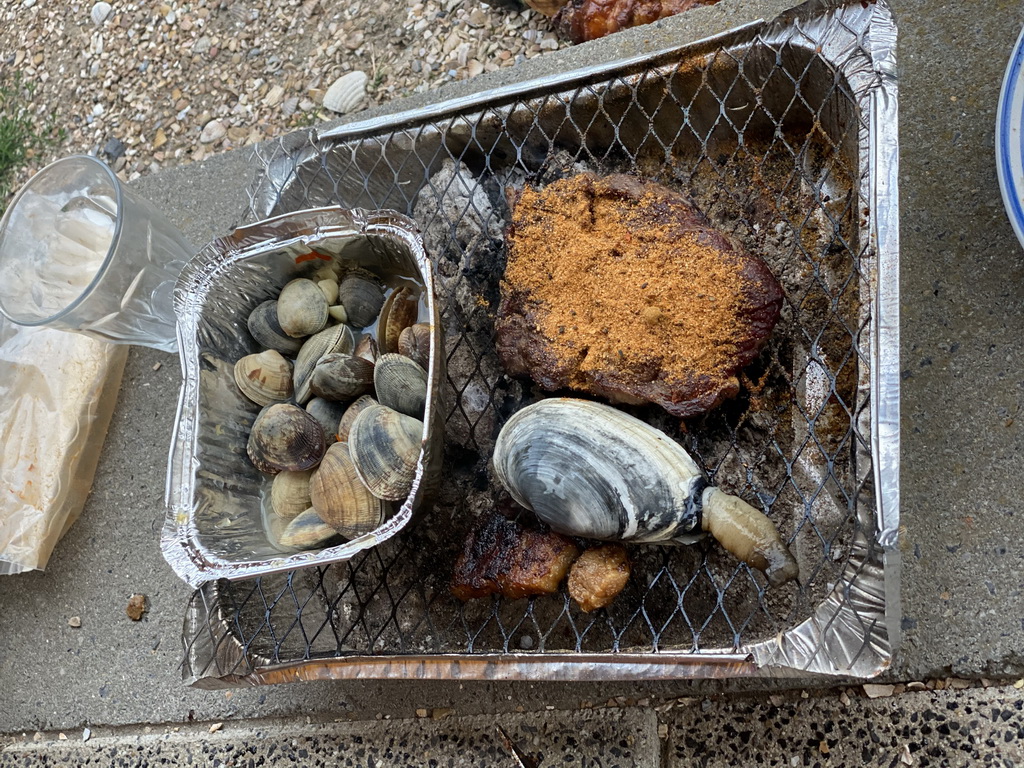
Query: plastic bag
{"points": [[57, 395]]}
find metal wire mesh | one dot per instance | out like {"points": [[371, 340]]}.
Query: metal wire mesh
{"points": [[767, 135]]}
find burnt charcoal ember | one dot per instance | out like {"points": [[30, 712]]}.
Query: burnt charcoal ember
{"points": [[462, 232]]}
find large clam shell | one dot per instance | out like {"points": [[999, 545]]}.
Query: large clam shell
{"points": [[285, 437], [265, 377], [414, 343], [362, 296], [306, 531], [302, 308], [340, 498], [267, 331], [337, 338], [289, 493], [398, 313], [401, 383], [384, 445], [590, 470], [354, 408], [341, 377]]}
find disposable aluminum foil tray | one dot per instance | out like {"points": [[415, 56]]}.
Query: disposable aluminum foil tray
{"points": [[784, 134], [216, 524]]}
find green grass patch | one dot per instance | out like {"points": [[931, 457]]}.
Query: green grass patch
{"points": [[22, 134]]}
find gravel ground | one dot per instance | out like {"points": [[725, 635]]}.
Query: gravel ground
{"points": [[150, 85]]}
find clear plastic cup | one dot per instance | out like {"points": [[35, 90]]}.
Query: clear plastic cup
{"points": [[80, 251]]}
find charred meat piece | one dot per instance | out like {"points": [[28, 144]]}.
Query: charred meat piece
{"points": [[501, 556], [582, 20], [598, 576], [619, 287]]}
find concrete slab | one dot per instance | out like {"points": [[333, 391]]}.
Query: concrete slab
{"points": [[981, 726], [962, 327], [599, 737]]}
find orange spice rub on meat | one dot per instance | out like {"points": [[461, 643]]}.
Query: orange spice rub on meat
{"points": [[619, 287]]}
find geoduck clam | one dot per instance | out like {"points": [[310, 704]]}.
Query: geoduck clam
{"points": [[589, 470]]}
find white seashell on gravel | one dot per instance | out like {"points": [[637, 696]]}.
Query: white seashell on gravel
{"points": [[346, 92], [100, 12]]}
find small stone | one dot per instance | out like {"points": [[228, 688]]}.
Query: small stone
{"points": [[878, 690], [474, 68], [346, 92], [202, 45], [114, 149], [214, 50], [216, 727], [86, 734], [353, 41], [37, 736], [477, 18], [274, 97], [100, 12], [136, 607], [440, 713], [75, 621], [37, 59], [213, 131], [160, 139], [421, 713]]}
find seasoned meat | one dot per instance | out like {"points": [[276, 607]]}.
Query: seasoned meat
{"points": [[619, 287], [582, 20], [501, 556], [598, 576]]}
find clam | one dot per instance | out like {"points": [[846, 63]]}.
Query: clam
{"points": [[265, 377], [302, 308], [354, 409], [361, 295], [328, 413], [587, 469], [398, 313], [401, 383], [267, 331], [285, 437], [384, 445], [337, 338], [306, 531], [289, 493], [341, 377], [414, 343], [340, 498]]}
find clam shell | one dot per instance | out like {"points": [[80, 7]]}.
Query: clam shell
{"points": [[340, 498], [398, 313], [267, 331], [354, 409], [384, 445], [328, 413], [362, 297], [265, 377], [401, 383], [285, 437], [289, 493], [306, 531], [346, 92], [414, 343], [302, 308], [337, 338], [590, 470], [341, 377]]}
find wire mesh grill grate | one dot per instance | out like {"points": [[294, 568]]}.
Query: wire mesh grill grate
{"points": [[767, 135]]}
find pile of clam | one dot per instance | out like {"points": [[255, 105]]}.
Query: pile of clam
{"points": [[343, 382]]}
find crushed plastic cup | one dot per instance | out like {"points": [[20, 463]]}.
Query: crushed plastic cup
{"points": [[80, 251]]}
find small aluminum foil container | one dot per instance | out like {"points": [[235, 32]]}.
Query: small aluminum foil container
{"points": [[215, 497]]}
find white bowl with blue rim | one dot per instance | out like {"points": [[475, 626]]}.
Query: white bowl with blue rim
{"points": [[1010, 140]]}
